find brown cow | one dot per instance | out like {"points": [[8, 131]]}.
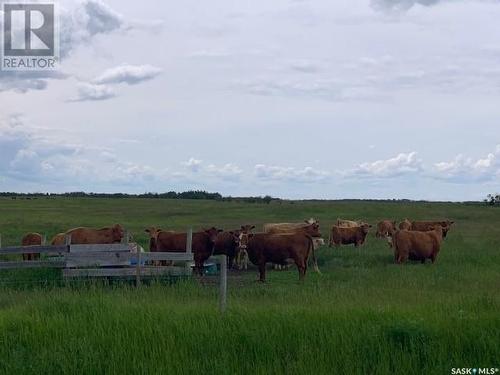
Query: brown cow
{"points": [[32, 239], [90, 236], [346, 236], [263, 248], [405, 225], [425, 226], [385, 228], [416, 245], [227, 243], [58, 240], [202, 245]]}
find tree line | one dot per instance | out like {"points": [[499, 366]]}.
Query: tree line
{"points": [[191, 194]]}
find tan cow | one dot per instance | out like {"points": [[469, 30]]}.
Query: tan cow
{"points": [[405, 225], [90, 236], [416, 245], [348, 223], [32, 239], [347, 236], [58, 240], [309, 227], [385, 228], [424, 226]]}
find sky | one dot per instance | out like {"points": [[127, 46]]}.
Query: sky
{"points": [[296, 99]]}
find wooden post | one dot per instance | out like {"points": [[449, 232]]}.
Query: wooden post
{"points": [[67, 240], [125, 238], [223, 284], [189, 249]]}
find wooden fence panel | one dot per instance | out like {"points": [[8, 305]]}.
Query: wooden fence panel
{"points": [[124, 272]]}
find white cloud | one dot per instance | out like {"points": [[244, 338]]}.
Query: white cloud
{"points": [[401, 4], [129, 74], [400, 165], [193, 164], [465, 169], [27, 153], [80, 23], [278, 173], [227, 171], [91, 92]]}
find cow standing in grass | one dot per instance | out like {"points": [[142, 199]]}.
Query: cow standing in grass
{"points": [[415, 245], [308, 227], [263, 248], [32, 239], [425, 226], [203, 244], [385, 228], [90, 236], [349, 236]]}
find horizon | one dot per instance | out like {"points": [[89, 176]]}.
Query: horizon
{"points": [[375, 99], [151, 195]]}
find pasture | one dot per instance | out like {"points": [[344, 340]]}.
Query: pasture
{"points": [[363, 315]]}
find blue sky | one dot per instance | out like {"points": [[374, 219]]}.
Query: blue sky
{"points": [[296, 98]]}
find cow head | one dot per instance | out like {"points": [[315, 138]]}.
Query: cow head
{"points": [[365, 228], [446, 225], [242, 252], [313, 230], [212, 234], [247, 228], [311, 221], [117, 233], [235, 237], [153, 237]]}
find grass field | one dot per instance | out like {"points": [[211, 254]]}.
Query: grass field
{"points": [[363, 315]]}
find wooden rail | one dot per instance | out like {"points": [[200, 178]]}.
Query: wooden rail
{"points": [[112, 260]]}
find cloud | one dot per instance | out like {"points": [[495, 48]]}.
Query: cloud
{"points": [[278, 173], [194, 165], [401, 4], [227, 171], [28, 154], [467, 170], [80, 23], [325, 89], [400, 165], [129, 74], [23, 82], [91, 92], [87, 19]]}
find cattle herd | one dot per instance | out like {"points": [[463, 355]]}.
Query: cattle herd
{"points": [[276, 244]]}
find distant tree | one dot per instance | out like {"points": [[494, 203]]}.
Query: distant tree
{"points": [[493, 199], [267, 199]]}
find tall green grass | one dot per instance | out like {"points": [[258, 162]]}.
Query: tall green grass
{"points": [[363, 315]]}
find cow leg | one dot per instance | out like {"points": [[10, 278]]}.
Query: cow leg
{"points": [[302, 267], [262, 272]]}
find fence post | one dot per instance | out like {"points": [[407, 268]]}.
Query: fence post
{"points": [[223, 284], [189, 249], [67, 240]]}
